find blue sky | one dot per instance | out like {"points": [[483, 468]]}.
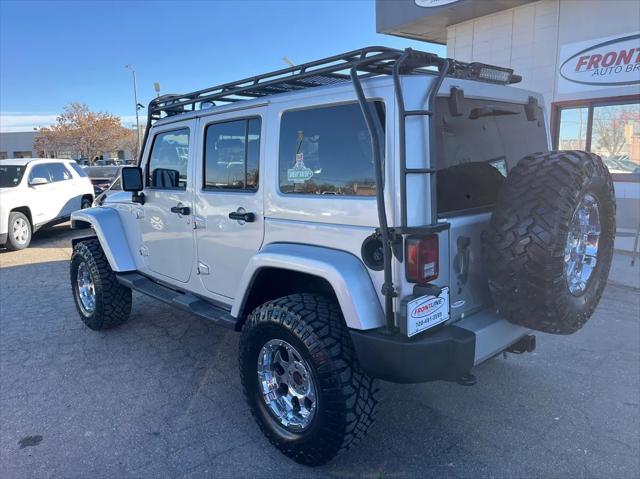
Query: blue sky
{"points": [[55, 52]]}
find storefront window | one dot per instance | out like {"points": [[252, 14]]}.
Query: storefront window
{"points": [[616, 137], [609, 130], [573, 129]]}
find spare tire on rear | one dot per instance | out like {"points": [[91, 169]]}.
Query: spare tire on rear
{"points": [[550, 240]]}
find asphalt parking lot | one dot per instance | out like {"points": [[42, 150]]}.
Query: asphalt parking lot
{"points": [[160, 397]]}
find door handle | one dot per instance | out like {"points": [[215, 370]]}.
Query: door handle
{"points": [[181, 210], [242, 216]]}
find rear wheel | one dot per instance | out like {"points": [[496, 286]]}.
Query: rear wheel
{"points": [[551, 240], [302, 380], [19, 234], [101, 301]]}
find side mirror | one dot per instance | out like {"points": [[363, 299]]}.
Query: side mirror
{"points": [[38, 181], [131, 178]]}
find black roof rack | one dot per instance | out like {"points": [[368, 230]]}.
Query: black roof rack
{"points": [[370, 61]]}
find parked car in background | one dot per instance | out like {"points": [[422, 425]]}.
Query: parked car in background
{"points": [[621, 164], [102, 176], [107, 173], [100, 184], [35, 193], [109, 162]]}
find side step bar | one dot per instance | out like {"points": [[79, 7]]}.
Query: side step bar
{"points": [[184, 301]]}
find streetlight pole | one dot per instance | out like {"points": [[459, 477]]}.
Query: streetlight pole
{"points": [[135, 98]]}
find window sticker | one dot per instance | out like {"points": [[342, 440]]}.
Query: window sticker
{"points": [[299, 173]]}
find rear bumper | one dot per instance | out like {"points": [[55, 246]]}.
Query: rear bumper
{"points": [[446, 354]]}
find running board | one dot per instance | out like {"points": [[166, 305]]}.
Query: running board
{"points": [[184, 301]]}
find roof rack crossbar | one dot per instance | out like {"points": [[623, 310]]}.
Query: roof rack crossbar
{"points": [[379, 60]]}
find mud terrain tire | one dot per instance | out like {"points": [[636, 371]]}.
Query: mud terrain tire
{"points": [[112, 301], [527, 240], [346, 397]]}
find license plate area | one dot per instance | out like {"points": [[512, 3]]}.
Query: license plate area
{"points": [[427, 311]]}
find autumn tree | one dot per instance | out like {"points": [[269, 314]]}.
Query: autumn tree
{"points": [[82, 132], [129, 141]]}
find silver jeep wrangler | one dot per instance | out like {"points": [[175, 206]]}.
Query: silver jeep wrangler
{"points": [[380, 214]]}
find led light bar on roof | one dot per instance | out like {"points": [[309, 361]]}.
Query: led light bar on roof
{"points": [[492, 73]]}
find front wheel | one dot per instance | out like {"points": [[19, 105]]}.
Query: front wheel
{"points": [[101, 301], [302, 379], [19, 235]]}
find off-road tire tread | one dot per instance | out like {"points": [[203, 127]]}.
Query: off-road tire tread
{"points": [[527, 236], [115, 306], [318, 322]]}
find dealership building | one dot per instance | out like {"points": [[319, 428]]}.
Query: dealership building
{"points": [[21, 144], [583, 56]]}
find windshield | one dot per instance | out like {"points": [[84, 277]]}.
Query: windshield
{"points": [[478, 146], [10, 175]]}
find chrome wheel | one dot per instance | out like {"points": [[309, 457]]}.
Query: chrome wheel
{"points": [[287, 385], [20, 231], [86, 289], [581, 249]]}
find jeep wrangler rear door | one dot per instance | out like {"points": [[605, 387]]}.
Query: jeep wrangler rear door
{"points": [[166, 226], [229, 207], [478, 143]]}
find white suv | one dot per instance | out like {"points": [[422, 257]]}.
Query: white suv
{"points": [[39, 192]]}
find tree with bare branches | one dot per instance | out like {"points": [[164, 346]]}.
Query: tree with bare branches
{"points": [[129, 142], [609, 133]]}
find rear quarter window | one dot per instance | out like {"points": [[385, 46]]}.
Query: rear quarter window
{"points": [[327, 151]]}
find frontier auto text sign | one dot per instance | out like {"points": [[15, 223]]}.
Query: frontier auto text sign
{"points": [[601, 63]]}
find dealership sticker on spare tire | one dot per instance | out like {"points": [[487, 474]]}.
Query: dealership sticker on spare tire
{"points": [[550, 240]]}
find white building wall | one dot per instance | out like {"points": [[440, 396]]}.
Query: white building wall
{"points": [[528, 39], [586, 20], [19, 141], [523, 38]]}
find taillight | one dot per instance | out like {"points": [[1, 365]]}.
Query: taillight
{"points": [[422, 259]]}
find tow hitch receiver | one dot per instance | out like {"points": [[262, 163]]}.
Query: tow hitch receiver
{"points": [[525, 345]]}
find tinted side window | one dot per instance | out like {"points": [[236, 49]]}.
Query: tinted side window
{"points": [[327, 151], [59, 172], [40, 171], [232, 155], [167, 168], [79, 170]]}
